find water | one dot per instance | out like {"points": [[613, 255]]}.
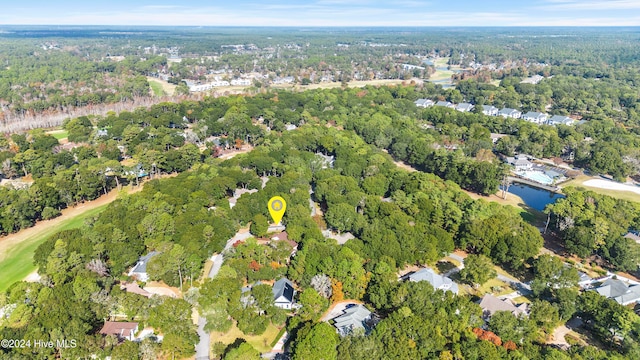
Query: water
{"points": [[534, 197], [537, 176]]}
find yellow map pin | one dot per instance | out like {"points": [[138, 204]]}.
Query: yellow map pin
{"points": [[277, 207]]}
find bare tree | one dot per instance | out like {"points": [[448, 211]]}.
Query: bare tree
{"points": [[98, 267], [322, 284]]}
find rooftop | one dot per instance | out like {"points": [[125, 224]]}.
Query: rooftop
{"points": [[436, 280], [141, 266], [352, 318], [283, 287], [619, 291], [120, 329], [491, 304]]}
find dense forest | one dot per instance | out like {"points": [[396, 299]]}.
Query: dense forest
{"points": [[397, 218], [168, 138], [53, 71]]}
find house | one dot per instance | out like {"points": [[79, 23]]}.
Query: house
{"points": [[535, 117], [134, 288], [491, 304], [355, 317], [464, 107], [425, 103], [122, 330], [633, 236], [520, 162], [510, 113], [489, 110], [284, 237], [241, 82], [283, 293], [495, 137], [621, 292], [436, 280], [584, 280], [445, 104], [139, 271], [290, 127], [561, 120]]}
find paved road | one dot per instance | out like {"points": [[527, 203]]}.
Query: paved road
{"points": [[202, 348]]}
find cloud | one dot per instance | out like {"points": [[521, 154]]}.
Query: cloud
{"points": [[591, 4]]}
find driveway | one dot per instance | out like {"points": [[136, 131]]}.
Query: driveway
{"points": [[202, 348], [337, 309]]}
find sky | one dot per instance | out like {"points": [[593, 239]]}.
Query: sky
{"points": [[322, 12]]}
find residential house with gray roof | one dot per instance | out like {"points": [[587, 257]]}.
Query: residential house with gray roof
{"points": [[139, 271], [425, 103], [436, 280], [510, 113], [489, 110], [535, 117], [621, 292], [283, 293], [355, 317], [464, 107], [491, 304], [560, 120], [445, 104]]}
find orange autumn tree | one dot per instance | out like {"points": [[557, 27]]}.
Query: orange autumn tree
{"points": [[254, 265], [487, 336], [336, 287]]}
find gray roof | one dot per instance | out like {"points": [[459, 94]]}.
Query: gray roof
{"points": [[534, 114], [560, 119], [423, 102], [552, 173], [633, 236], [489, 108], [518, 161], [283, 287], [491, 304], [508, 111], [141, 266], [444, 103], [584, 277], [436, 280], [352, 318], [619, 291], [464, 107]]}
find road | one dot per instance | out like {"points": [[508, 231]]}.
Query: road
{"points": [[202, 348]]}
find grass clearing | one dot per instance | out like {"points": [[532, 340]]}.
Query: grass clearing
{"points": [[167, 88], [17, 261], [579, 181], [156, 88], [58, 134], [261, 343], [521, 299]]}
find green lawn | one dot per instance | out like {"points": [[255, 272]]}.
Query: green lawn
{"points": [[261, 343], [59, 134], [18, 262], [579, 181], [156, 87]]}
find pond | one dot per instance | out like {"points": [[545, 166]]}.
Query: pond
{"points": [[534, 197]]}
